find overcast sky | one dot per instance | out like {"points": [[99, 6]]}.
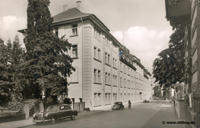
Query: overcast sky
{"points": [[138, 24]]}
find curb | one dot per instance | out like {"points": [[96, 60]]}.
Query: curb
{"points": [[91, 113]]}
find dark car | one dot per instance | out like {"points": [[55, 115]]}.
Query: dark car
{"points": [[146, 101], [118, 106], [54, 112]]}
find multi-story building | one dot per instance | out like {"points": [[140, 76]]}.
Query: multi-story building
{"points": [[105, 70]]}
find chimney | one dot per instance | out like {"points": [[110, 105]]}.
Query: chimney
{"points": [[65, 7], [79, 4]]}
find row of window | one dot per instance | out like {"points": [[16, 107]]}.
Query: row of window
{"points": [[115, 80], [97, 53], [114, 63], [74, 51], [97, 76], [126, 83], [74, 76], [100, 36], [74, 30], [107, 58], [97, 99], [112, 79], [126, 69], [108, 98], [108, 78]]}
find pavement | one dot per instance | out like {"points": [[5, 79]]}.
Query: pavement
{"points": [[29, 122], [143, 115], [17, 124]]}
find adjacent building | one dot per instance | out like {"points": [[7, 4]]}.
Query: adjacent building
{"points": [[187, 13]]}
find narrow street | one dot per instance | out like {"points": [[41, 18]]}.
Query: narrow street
{"points": [[146, 115]]}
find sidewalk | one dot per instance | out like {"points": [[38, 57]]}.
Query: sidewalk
{"points": [[23, 123], [164, 118], [17, 124]]}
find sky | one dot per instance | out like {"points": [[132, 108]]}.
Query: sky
{"points": [[140, 25]]}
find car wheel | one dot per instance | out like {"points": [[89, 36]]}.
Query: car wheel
{"points": [[53, 120], [72, 118]]}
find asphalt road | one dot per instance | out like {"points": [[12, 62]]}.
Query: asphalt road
{"points": [[147, 115]]}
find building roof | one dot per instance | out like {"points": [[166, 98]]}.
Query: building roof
{"points": [[69, 14], [74, 14]]}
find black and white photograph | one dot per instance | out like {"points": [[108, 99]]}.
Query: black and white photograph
{"points": [[99, 64]]}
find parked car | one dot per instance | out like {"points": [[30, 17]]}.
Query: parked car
{"points": [[118, 106], [146, 101], [54, 112]]}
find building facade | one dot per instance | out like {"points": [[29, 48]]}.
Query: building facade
{"points": [[187, 13], [105, 70]]}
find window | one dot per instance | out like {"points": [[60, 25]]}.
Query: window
{"points": [[106, 78], [74, 76], [95, 99], [109, 79], [114, 80], [74, 51], [120, 82], [113, 62], [99, 76], [95, 52], [99, 54], [74, 30], [95, 75], [106, 57]]}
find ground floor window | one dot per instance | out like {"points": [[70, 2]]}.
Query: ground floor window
{"points": [[97, 99], [107, 98], [114, 97]]}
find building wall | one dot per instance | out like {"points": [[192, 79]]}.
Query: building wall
{"points": [[75, 80], [101, 78], [192, 38], [195, 51]]}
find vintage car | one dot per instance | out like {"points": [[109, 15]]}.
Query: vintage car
{"points": [[54, 112], [146, 101], [118, 106]]}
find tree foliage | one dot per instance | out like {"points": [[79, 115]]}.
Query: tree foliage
{"points": [[5, 81], [47, 63], [157, 91], [11, 55], [168, 68]]}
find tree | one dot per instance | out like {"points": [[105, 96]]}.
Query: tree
{"points": [[5, 75], [11, 57], [16, 57], [47, 63], [168, 68], [157, 91]]}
